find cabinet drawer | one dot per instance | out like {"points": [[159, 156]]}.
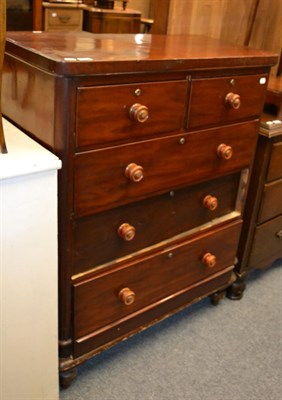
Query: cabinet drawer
{"points": [[59, 19], [271, 202], [267, 244], [108, 114], [101, 300], [209, 105], [105, 178], [102, 238], [275, 165]]}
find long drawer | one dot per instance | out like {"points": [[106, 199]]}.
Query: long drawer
{"points": [[223, 100], [116, 233], [120, 175], [107, 114], [267, 244], [117, 293]]}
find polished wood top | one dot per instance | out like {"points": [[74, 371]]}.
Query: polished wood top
{"points": [[75, 53]]}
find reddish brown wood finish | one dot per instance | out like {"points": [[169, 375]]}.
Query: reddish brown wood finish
{"points": [[154, 278], [23, 86], [177, 163], [87, 346], [73, 92], [104, 53], [208, 103], [155, 220], [97, 124]]}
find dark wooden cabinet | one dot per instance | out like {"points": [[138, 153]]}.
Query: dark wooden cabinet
{"points": [[156, 138], [98, 20], [261, 239], [62, 16]]}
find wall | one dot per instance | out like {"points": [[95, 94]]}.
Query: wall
{"points": [[141, 5], [256, 23]]}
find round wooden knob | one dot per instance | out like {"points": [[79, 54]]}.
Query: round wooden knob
{"points": [[224, 151], [139, 113], [210, 202], [209, 260], [126, 296], [233, 100], [127, 232], [134, 172]]}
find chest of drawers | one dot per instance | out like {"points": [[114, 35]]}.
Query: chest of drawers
{"points": [[156, 135], [117, 20], [261, 239], [62, 17]]}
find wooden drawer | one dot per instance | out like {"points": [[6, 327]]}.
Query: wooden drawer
{"points": [[267, 244], [97, 240], [208, 103], [271, 201], [100, 301], [63, 19], [101, 180], [275, 165], [107, 114]]}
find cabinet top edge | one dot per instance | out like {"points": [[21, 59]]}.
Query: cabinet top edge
{"points": [[79, 53]]}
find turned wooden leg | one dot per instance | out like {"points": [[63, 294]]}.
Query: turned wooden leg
{"points": [[216, 297], [67, 377], [236, 290]]}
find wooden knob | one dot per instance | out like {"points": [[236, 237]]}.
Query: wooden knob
{"points": [[126, 231], [210, 202], [209, 260], [139, 113], [134, 172], [224, 151], [126, 296], [233, 100]]}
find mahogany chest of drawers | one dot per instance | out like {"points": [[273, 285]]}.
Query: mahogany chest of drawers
{"points": [[156, 135]]}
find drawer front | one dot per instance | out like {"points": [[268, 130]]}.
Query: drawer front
{"points": [[102, 300], [104, 237], [110, 114], [271, 202], [63, 18], [151, 221], [267, 244], [209, 102], [106, 178], [275, 165]]}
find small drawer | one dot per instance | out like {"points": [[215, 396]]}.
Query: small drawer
{"points": [[116, 113], [116, 233], [59, 19], [267, 244], [271, 202], [120, 175], [115, 294], [223, 100], [275, 165]]}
